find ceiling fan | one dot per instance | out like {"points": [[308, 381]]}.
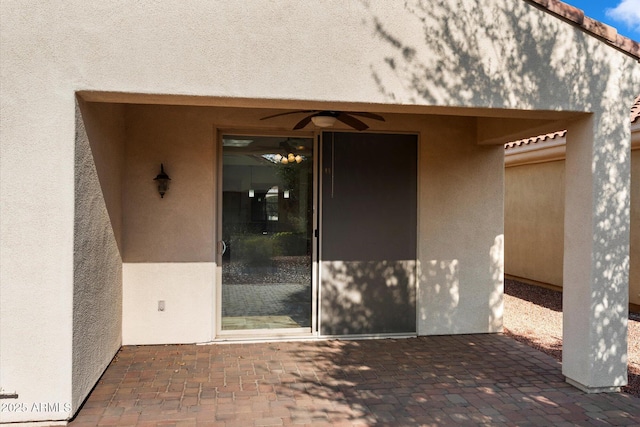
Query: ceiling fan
{"points": [[328, 118]]}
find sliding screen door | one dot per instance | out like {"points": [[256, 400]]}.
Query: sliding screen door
{"points": [[369, 223]]}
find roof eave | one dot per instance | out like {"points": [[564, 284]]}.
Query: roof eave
{"points": [[603, 32]]}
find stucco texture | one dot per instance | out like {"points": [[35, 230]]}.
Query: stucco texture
{"points": [[180, 226], [634, 244], [169, 243], [97, 278], [534, 221], [460, 290], [536, 238]]}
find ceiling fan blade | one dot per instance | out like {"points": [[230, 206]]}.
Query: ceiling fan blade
{"points": [[288, 112], [302, 123], [352, 121], [368, 115]]}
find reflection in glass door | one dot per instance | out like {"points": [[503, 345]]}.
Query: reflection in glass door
{"points": [[267, 219]]}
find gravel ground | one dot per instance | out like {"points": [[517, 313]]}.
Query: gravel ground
{"points": [[284, 269], [533, 315]]}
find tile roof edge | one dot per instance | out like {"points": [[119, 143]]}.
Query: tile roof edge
{"points": [[548, 137], [535, 139], [598, 29], [635, 110]]}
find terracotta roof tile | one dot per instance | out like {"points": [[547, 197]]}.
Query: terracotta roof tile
{"points": [[635, 114], [535, 139], [635, 110], [576, 17]]}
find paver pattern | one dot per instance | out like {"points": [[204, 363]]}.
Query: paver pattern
{"points": [[268, 299], [430, 381]]}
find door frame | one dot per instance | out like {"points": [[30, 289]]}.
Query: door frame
{"points": [[297, 333], [262, 334]]}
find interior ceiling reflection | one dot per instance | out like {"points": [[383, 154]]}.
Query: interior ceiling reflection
{"points": [[274, 150]]}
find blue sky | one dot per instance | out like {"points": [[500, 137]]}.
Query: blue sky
{"points": [[624, 15]]}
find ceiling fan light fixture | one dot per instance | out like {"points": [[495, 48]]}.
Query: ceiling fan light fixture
{"points": [[323, 121]]}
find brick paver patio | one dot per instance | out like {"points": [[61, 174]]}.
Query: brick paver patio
{"points": [[432, 381]]}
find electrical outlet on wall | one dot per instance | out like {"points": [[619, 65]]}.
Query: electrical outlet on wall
{"points": [[161, 305]]}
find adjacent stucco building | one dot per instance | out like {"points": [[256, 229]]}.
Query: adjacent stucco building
{"points": [[393, 231], [534, 209]]}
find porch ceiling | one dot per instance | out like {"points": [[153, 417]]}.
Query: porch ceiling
{"points": [[495, 125]]}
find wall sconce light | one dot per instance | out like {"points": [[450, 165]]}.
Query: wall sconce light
{"points": [[163, 181]]}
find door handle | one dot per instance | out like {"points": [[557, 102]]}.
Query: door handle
{"points": [[222, 247]]}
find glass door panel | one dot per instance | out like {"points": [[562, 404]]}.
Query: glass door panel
{"points": [[267, 196]]}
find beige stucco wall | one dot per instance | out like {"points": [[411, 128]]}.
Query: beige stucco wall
{"points": [[97, 281], [180, 226], [105, 127], [534, 221], [460, 231], [428, 57], [534, 218], [169, 242], [187, 289], [634, 247]]}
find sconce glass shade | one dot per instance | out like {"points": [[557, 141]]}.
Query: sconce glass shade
{"points": [[323, 121], [162, 180]]}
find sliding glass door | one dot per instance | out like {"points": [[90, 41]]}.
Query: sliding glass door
{"points": [[267, 216]]}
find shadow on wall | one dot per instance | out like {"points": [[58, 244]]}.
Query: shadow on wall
{"points": [[510, 55], [610, 294], [368, 297], [498, 56], [457, 305], [97, 274], [496, 300], [440, 286]]}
